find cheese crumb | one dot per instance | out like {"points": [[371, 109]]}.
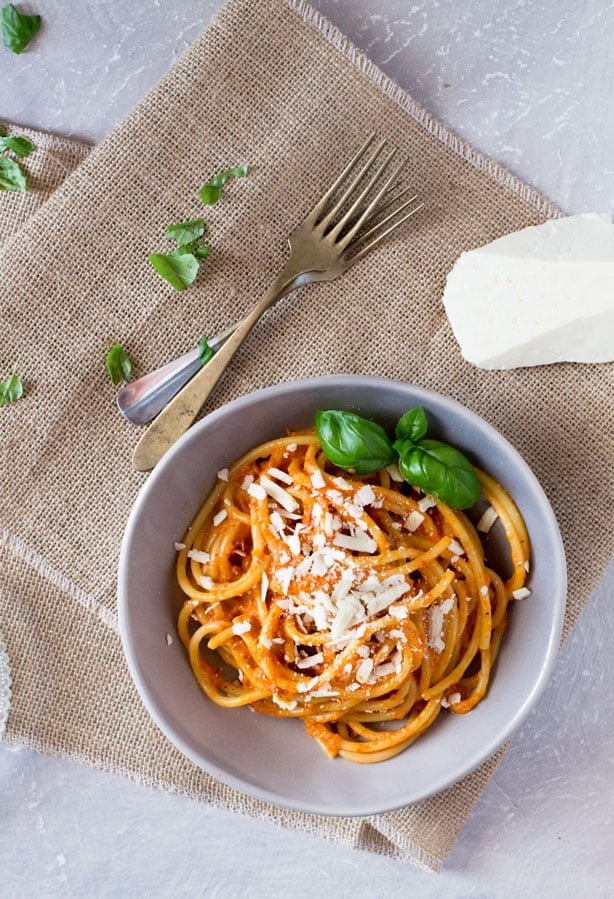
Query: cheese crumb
{"points": [[317, 479], [169, 639], [256, 491], [487, 520], [413, 521], [241, 627], [220, 517], [179, 546], [427, 502], [522, 593], [223, 474], [199, 555]]}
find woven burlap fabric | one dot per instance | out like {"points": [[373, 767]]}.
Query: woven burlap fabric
{"points": [[271, 84]]}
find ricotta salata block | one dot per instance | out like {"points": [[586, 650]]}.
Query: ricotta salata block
{"points": [[544, 294]]}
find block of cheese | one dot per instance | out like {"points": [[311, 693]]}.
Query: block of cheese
{"points": [[540, 295]]}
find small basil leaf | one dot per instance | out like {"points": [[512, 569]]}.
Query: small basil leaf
{"points": [[11, 390], [11, 175], [413, 425], [20, 146], [352, 442], [443, 471], [186, 232], [179, 268], [211, 192], [118, 364], [204, 350], [202, 251], [18, 29]]}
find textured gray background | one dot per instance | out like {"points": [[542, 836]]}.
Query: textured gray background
{"points": [[530, 85]]}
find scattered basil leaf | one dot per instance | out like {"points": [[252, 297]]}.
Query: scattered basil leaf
{"points": [[211, 192], [186, 232], [11, 390], [441, 470], [18, 29], [118, 364], [11, 175], [202, 251], [20, 146], [413, 425], [204, 350], [352, 442], [179, 268]]}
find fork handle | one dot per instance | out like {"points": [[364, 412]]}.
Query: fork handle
{"points": [[179, 414]]}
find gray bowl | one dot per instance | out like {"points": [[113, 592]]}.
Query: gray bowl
{"points": [[274, 759]]}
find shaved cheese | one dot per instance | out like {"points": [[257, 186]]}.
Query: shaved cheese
{"points": [[264, 586], [247, 481], [292, 447], [266, 641], [453, 698], [363, 651], [394, 472], [522, 593], [284, 576], [413, 521], [436, 629], [277, 522], [363, 672], [278, 493], [317, 479], [205, 582], [179, 546], [199, 555], [220, 517], [358, 542], [310, 661], [256, 491], [223, 474], [385, 597], [280, 475], [169, 640], [342, 588], [241, 627], [487, 520], [384, 670], [427, 502], [456, 548], [365, 495], [288, 706]]}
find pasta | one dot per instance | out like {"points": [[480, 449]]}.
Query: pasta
{"points": [[357, 604]]}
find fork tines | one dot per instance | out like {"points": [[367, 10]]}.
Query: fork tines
{"points": [[354, 220]]}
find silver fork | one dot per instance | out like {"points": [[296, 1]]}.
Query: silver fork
{"points": [[352, 217]]}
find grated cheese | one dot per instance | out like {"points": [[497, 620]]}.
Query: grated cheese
{"points": [[256, 491], [317, 479], [358, 542], [223, 474], [310, 661], [427, 502], [220, 517], [199, 555], [413, 521], [522, 593], [487, 520], [280, 475], [179, 546], [241, 627], [278, 493], [363, 672]]}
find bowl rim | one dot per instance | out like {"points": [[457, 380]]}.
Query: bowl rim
{"points": [[500, 735]]}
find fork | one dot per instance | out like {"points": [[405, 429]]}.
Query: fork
{"points": [[352, 217]]}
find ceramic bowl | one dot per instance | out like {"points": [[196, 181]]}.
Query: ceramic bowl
{"points": [[274, 759]]}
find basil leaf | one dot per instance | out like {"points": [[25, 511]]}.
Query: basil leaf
{"points": [[18, 29], [186, 232], [413, 425], [118, 364], [11, 175], [179, 268], [211, 192], [19, 146], [441, 470], [202, 251], [352, 442], [204, 350], [11, 390]]}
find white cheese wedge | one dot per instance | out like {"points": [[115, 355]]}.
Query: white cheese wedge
{"points": [[544, 294]]}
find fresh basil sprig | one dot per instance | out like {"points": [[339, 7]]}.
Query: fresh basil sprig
{"points": [[181, 266], [211, 192], [12, 176], [355, 443], [11, 389], [18, 29], [118, 364], [352, 442]]}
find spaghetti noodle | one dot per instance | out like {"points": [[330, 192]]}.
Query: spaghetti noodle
{"points": [[360, 605]]}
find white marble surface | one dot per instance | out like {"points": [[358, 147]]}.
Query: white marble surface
{"points": [[530, 85]]}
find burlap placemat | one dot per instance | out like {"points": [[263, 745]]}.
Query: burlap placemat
{"points": [[272, 84]]}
